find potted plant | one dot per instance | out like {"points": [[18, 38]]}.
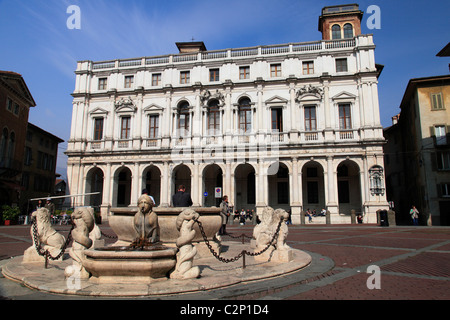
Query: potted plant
{"points": [[9, 214]]}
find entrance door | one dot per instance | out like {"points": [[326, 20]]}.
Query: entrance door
{"points": [[444, 209]]}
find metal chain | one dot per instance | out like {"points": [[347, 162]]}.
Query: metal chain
{"points": [[107, 235], [243, 252], [46, 253]]}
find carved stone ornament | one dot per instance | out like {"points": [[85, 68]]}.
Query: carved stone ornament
{"points": [[308, 89], [125, 102], [206, 96]]}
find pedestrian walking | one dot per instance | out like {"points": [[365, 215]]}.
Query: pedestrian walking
{"points": [[181, 198], [224, 213], [414, 215]]}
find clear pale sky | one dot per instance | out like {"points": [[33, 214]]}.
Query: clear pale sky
{"points": [[36, 42]]}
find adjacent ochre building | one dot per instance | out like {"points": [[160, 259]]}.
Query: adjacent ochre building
{"points": [[295, 125], [417, 152]]}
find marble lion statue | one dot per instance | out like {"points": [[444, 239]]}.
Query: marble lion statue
{"points": [[83, 219], [184, 268], [48, 237]]}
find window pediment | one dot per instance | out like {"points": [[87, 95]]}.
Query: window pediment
{"points": [[98, 112], [276, 100], [153, 108], [344, 96]]}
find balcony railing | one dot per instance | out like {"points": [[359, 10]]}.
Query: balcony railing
{"points": [[301, 47], [278, 138]]}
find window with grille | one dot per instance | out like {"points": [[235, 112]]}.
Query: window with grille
{"points": [[245, 116], [153, 126], [125, 127], [156, 79], [213, 75], [213, 117], [275, 70], [98, 128], [102, 83], [129, 80], [308, 67], [185, 77], [341, 65], [244, 73], [310, 118], [345, 118]]}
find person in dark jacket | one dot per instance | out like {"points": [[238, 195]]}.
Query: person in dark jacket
{"points": [[181, 198]]}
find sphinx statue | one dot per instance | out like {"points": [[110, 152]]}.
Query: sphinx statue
{"points": [[145, 223]]}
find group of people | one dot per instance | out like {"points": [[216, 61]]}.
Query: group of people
{"points": [[243, 215], [310, 214]]}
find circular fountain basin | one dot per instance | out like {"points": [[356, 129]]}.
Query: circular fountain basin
{"points": [[122, 264], [121, 222]]}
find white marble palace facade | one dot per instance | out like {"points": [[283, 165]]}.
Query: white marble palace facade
{"points": [[294, 126]]}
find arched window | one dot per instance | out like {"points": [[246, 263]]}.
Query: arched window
{"points": [[183, 119], [245, 115], [348, 31], [336, 32], [213, 117], [3, 144], [11, 144]]}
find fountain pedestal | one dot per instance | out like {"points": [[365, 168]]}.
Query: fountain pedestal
{"points": [[126, 265]]}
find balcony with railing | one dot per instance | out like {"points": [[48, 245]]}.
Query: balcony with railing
{"points": [[237, 53]]}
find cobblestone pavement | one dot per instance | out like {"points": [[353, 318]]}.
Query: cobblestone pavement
{"points": [[414, 262]]}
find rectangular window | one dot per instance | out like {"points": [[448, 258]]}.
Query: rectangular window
{"points": [[28, 156], [9, 104], [308, 67], [244, 73], [441, 135], [153, 126], [102, 83], [345, 119], [443, 160], [98, 128], [156, 79], [214, 121], [16, 109], [341, 65], [185, 77], [310, 119], [445, 189], [129, 80], [275, 70], [213, 75], [277, 119], [125, 127], [436, 101], [245, 119]]}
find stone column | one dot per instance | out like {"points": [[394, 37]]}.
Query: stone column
{"points": [[331, 203], [106, 201]]}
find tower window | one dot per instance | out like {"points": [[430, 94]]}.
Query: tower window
{"points": [[348, 31], [336, 32]]}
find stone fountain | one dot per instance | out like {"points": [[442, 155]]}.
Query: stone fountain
{"points": [[157, 250], [145, 259]]}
